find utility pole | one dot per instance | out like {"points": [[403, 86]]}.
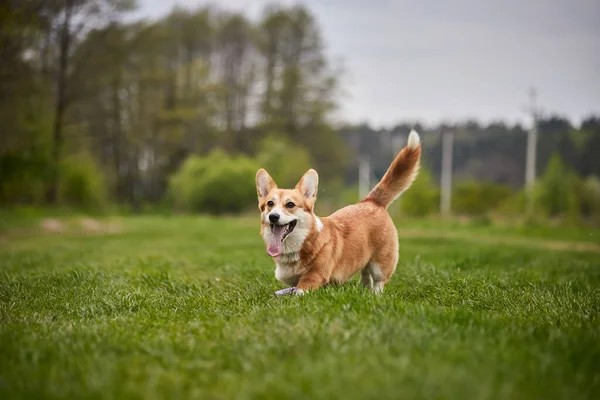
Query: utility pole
{"points": [[364, 176], [446, 176], [530, 174]]}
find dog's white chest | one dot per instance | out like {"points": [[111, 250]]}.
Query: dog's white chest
{"points": [[287, 273]]}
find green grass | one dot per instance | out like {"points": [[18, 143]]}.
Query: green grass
{"points": [[183, 307]]}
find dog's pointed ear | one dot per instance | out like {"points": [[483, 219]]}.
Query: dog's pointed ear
{"points": [[264, 183], [309, 184]]}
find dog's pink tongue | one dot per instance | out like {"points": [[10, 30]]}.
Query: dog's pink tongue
{"points": [[275, 246]]}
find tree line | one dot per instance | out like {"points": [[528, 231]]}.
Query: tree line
{"points": [[495, 152], [95, 108]]}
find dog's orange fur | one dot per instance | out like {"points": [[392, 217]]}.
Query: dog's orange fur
{"points": [[359, 237]]}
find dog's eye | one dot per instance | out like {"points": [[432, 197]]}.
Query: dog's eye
{"points": [[270, 203], [290, 205]]}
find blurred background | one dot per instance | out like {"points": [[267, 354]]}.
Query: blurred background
{"points": [[171, 106]]}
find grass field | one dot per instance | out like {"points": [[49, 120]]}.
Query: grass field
{"points": [[183, 307]]}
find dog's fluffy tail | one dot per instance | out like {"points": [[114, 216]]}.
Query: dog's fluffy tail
{"points": [[400, 175]]}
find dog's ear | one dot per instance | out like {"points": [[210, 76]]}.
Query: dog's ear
{"points": [[264, 183], [309, 184]]}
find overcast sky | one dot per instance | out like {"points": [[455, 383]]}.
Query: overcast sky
{"points": [[452, 59]]}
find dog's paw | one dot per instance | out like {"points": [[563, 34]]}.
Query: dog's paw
{"points": [[299, 292], [286, 291]]}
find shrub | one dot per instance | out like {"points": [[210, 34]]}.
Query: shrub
{"points": [[422, 198], [217, 183], [333, 195], [81, 183], [556, 192], [588, 195], [478, 198], [514, 206]]}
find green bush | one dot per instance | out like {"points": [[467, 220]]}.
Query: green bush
{"points": [[588, 195], [513, 206], [81, 183], [478, 198], [556, 192], [422, 198], [334, 195], [286, 162], [217, 183]]}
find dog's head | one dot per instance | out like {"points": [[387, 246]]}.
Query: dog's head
{"points": [[286, 214]]}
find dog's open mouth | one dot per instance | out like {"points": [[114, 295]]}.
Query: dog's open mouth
{"points": [[278, 234], [286, 229]]}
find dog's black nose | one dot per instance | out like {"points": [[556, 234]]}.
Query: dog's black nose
{"points": [[273, 217]]}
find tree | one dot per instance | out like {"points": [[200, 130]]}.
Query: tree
{"points": [[422, 198], [285, 161], [69, 20], [588, 162], [300, 86], [236, 62], [556, 190], [25, 106]]}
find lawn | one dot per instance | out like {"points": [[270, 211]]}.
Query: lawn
{"points": [[183, 307]]}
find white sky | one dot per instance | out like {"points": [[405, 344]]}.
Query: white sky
{"points": [[447, 60]]}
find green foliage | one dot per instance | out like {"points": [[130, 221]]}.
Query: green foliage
{"points": [[478, 198], [423, 197], [82, 184], [329, 151], [588, 195], [217, 183], [22, 178], [153, 93], [25, 109], [285, 161], [333, 195], [348, 195], [556, 192], [513, 206]]}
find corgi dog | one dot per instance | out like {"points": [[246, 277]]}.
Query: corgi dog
{"points": [[311, 252]]}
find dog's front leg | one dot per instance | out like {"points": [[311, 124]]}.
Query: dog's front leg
{"points": [[310, 281]]}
